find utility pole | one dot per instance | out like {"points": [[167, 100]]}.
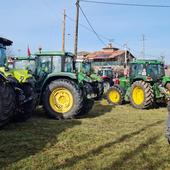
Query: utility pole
{"points": [[143, 46], [77, 26], [64, 30], [125, 45]]}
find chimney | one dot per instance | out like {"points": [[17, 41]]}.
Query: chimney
{"points": [[110, 48]]}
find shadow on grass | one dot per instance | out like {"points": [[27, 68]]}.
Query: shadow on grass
{"points": [[99, 110], [129, 155], [22, 140], [70, 162]]}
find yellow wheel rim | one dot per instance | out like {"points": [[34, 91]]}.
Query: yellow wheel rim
{"points": [[61, 100], [114, 96], [138, 95]]}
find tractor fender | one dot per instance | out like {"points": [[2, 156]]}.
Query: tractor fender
{"points": [[138, 79]]}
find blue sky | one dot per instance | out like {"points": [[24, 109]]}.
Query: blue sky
{"points": [[38, 23]]}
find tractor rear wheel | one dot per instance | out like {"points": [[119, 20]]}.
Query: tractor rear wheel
{"points": [[115, 95], [7, 103], [62, 98], [141, 95], [26, 110]]}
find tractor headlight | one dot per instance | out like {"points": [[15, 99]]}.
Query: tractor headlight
{"points": [[148, 78]]}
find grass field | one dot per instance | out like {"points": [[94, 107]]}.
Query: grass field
{"points": [[106, 138]]}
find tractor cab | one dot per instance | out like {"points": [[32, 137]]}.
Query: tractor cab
{"points": [[106, 73], [3, 43], [147, 70], [84, 66], [22, 63], [48, 62]]}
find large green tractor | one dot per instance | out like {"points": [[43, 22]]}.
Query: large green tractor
{"points": [[7, 95], [17, 97], [145, 85], [62, 91]]}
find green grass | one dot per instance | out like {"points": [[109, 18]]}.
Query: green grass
{"points": [[106, 138]]}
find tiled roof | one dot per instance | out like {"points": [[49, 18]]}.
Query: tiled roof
{"points": [[105, 54]]}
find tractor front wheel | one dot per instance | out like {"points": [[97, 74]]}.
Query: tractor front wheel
{"points": [[115, 95], [62, 99], [141, 95]]}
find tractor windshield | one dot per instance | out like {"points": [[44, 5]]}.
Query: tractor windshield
{"points": [[68, 65], [136, 69], [2, 55], [155, 70], [108, 73], [87, 67], [25, 65]]}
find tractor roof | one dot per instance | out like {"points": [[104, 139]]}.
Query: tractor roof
{"points": [[5, 41], [105, 68], [144, 61], [54, 53], [24, 58]]}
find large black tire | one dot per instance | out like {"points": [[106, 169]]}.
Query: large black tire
{"points": [[26, 110], [87, 106], [7, 103], [136, 99], [100, 91], [115, 95], [73, 90], [106, 86]]}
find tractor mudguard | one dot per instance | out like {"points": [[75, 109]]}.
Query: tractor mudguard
{"points": [[4, 72], [54, 76]]}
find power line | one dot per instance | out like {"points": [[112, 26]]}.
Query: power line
{"points": [[128, 4], [47, 5], [97, 35]]}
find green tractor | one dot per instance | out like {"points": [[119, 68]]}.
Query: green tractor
{"points": [[17, 97], [145, 85], [85, 71], [108, 76], [63, 92]]}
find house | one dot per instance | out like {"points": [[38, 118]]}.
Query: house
{"points": [[82, 54], [110, 56]]}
